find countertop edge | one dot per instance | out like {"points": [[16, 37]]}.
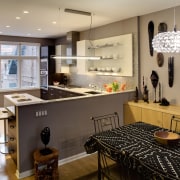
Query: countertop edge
{"points": [[41, 101]]}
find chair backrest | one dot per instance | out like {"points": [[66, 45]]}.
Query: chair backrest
{"points": [[105, 122], [175, 124]]}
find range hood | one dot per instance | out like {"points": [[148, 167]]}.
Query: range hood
{"points": [[71, 49]]}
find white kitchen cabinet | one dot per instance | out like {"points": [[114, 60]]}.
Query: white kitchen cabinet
{"points": [[116, 56], [61, 65], [83, 50]]}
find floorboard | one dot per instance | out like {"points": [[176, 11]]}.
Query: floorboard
{"points": [[81, 169]]}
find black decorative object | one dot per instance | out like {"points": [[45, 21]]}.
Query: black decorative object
{"points": [[136, 95], [65, 80], [45, 138], [154, 80], [160, 59], [171, 71], [164, 102], [145, 94], [162, 27], [151, 35]]}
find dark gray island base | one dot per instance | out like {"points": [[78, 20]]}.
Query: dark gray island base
{"points": [[69, 123]]}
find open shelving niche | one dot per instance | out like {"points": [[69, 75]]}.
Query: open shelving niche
{"points": [[116, 56]]}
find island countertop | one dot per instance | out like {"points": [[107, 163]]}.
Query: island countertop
{"points": [[21, 99]]}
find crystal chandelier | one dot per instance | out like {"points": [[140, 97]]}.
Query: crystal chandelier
{"points": [[167, 42]]}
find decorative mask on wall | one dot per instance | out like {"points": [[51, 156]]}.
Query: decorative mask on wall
{"points": [[154, 80], [171, 71], [160, 59], [151, 35]]}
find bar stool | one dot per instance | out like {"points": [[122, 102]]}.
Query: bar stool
{"points": [[4, 115], [46, 166]]}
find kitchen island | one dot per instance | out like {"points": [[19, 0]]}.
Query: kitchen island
{"points": [[68, 120]]}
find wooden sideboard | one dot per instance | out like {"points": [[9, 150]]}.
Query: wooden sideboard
{"points": [[152, 113]]}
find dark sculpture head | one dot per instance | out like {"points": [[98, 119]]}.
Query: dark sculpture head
{"points": [[154, 79], [45, 138], [45, 135]]}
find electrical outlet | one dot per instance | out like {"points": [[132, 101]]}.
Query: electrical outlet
{"points": [[39, 113], [45, 112]]}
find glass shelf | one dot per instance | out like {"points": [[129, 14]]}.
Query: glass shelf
{"points": [[104, 46]]}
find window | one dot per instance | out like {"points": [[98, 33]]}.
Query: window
{"points": [[19, 65]]}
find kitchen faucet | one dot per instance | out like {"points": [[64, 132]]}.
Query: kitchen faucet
{"points": [[93, 86]]}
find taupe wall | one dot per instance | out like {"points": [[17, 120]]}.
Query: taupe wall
{"points": [[149, 63], [114, 29]]}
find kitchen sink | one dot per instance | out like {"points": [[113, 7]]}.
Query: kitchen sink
{"points": [[92, 92]]}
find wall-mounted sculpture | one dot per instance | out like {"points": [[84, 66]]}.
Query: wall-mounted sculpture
{"points": [[171, 71], [154, 80], [151, 35], [162, 27], [160, 59]]}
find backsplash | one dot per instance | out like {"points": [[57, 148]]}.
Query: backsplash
{"points": [[99, 81]]}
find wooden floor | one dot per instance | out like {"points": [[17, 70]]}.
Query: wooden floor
{"points": [[81, 169], [76, 170]]}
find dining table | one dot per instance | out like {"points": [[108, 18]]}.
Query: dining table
{"points": [[136, 148]]}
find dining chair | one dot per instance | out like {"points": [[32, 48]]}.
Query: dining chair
{"points": [[175, 124], [105, 162], [105, 122]]}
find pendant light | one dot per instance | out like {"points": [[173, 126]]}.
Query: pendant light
{"points": [[167, 42], [78, 57]]}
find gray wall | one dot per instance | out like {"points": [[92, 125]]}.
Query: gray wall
{"points": [[149, 63], [69, 122]]}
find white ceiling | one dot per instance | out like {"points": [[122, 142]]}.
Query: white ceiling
{"points": [[43, 12]]}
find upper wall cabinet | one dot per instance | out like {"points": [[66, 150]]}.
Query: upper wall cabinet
{"points": [[116, 56], [61, 65]]}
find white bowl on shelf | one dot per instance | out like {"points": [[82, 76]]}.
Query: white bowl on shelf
{"points": [[115, 69], [108, 69], [92, 69]]}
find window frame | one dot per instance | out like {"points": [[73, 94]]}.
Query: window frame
{"points": [[19, 58]]}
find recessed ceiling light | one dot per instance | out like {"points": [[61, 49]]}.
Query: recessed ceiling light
{"points": [[39, 29], [54, 22], [8, 26], [18, 17], [25, 12]]}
